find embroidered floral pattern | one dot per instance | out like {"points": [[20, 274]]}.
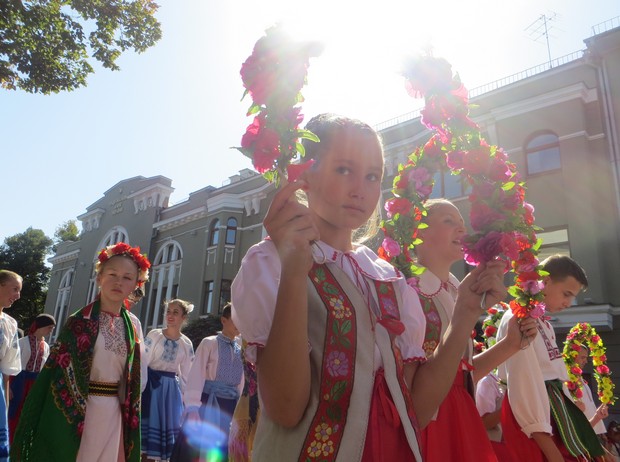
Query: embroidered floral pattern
{"points": [[433, 326], [337, 369], [112, 329], [171, 348]]}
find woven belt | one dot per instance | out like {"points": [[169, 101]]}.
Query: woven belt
{"points": [[102, 388]]}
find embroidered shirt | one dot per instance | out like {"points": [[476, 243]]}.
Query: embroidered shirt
{"points": [[164, 354], [254, 293]]}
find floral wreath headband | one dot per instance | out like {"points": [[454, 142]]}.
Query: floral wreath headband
{"points": [[128, 251]]}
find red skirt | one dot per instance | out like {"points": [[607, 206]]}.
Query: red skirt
{"points": [[385, 437], [458, 433], [524, 448]]}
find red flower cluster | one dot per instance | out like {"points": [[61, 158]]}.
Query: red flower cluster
{"points": [[501, 220], [273, 76]]}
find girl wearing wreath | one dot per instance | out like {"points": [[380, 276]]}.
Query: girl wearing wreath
{"points": [[85, 404]]}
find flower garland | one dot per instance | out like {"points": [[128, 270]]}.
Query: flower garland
{"points": [[273, 75], [132, 252], [503, 223], [584, 335], [491, 323]]}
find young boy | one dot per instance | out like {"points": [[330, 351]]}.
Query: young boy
{"points": [[539, 419]]}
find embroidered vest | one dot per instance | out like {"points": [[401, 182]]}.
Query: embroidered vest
{"points": [[340, 326]]}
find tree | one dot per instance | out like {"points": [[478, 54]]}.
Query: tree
{"points": [[199, 328], [44, 47], [25, 254], [68, 231]]}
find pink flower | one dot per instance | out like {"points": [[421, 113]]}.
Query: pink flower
{"points": [[398, 205], [538, 310], [529, 213], [576, 370], [83, 342], [391, 247], [455, 160], [595, 339], [419, 176], [337, 364], [63, 360], [262, 144], [483, 216], [603, 370], [533, 287], [294, 171]]}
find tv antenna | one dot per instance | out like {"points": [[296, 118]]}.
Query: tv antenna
{"points": [[540, 28]]}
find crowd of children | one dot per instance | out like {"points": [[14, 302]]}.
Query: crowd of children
{"points": [[342, 358]]}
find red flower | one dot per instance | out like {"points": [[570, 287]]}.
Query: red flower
{"points": [[397, 205], [490, 331], [518, 310], [603, 370], [63, 360], [83, 342], [477, 161], [263, 142]]}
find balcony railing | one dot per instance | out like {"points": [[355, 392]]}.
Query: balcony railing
{"points": [[605, 26]]}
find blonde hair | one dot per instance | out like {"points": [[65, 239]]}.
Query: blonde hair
{"points": [[186, 306], [6, 275]]}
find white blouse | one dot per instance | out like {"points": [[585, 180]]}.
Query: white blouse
{"points": [[254, 293], [10, 360], [164, 354], [525, 373], [24, 347]]}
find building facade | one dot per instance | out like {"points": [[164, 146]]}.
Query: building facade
{"points": [[559, 123]]}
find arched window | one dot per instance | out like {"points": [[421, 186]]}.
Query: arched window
{"points": [[214, 233], [231, 231], [62, 299], [542, 153], [114, 236], [164, 282]]}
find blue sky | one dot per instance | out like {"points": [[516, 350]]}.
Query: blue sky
{"points": [[175, 111]]}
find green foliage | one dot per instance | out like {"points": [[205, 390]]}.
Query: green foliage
{"points": [[68, 231], [45, 44], [25, 254], [199, 328]]}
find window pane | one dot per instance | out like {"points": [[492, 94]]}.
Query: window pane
{"points": [[542, 140], [438, 187], [452, 186], [543, 161], [215, 233]]}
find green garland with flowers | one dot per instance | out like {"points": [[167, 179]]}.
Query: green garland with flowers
{"points": [[273, 76], [584, 335], [503, 223]]}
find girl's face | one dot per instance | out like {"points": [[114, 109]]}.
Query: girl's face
{"points": [[560, 294], [443, 237], [174, 315], [10, 292], [117, 279], [345, 185]]}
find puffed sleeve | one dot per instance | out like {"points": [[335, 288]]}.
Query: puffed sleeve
{"points": [[254, 293], [198, 372], [486, 395], [186, 364], [411, 340], [11, 363], [527, 393]]}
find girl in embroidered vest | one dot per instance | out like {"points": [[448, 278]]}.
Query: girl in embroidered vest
{"points": [[540, 422], [335, 332], [437, 287], [85, 403], [168, 356], [214, 384], [10, 363], [34, 351]]}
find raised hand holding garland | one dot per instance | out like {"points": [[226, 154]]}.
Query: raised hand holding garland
{"points": [[503, 223], [273, 76]]}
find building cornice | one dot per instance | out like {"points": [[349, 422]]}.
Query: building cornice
{"points": [[156, 195], [56, 259], [181, 219]]}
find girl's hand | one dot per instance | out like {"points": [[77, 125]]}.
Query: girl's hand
{"points": [[291, 228], [486, 277], [602, 411]]}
